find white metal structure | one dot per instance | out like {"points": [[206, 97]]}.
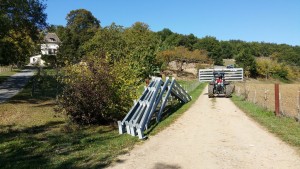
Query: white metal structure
{"points": [[157, 93], [233, 74]]}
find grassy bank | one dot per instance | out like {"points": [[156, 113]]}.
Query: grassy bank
{"points": [[285, 128], [33, 135]]}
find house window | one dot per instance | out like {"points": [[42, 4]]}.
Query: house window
{"points": [[50, 52], [52, 39]]}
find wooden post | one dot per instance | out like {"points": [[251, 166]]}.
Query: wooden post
{"points": [[277, 113], [266, 98], [298, 106], [147, 82]]}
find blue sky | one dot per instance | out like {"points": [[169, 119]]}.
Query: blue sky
{"points": [[276, 21]]}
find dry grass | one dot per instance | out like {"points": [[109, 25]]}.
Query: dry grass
{"points": [[263, 94], [229, 62], [22, 115]]}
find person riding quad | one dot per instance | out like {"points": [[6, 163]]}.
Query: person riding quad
{"points": [[219, 80]]}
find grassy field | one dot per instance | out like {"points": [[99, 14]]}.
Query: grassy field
{"points": [[33, 135], [263, 95], [285, 128]]}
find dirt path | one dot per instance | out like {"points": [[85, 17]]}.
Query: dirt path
{"points": [[214, 134]]}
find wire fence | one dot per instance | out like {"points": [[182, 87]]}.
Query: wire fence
{"points": [[189, 86], [264, 95], [5, 68]]}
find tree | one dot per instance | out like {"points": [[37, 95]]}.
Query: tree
{"points": [[212, 46], [247, 61], [271, 68], [141, 48], [171, 41], [226, 50], [20, 24], [109, 41], [80, 20], [163, 34], [81, 27]]}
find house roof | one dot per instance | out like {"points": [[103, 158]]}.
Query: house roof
{"points": [[51, 38]]}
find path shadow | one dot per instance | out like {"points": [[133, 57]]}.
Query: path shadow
{"points": [[39, 146], [166, 166], [18, 146]]}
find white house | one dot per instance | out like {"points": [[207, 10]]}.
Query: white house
{"points": [[49, 47]]}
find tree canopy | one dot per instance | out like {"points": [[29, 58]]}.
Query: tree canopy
{"points": [[20, 22], [81, 27]]}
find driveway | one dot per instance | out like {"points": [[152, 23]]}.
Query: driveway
{"points": [[14, 84]]}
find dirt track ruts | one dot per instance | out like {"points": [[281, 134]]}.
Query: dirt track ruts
{"points": [[215, 134]]}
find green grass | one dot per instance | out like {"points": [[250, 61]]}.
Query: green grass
{"points": [[57, 145], [33, 135], [285, 128], [5, 75]]}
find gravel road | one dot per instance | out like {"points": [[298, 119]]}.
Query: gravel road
{"points": [[214, 134]]}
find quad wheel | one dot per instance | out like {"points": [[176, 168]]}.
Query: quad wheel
{"points": [[229, 90], [210, 91]]}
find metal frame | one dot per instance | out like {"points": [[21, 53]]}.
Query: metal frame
{"points": [[234, 74], [139, 116]]}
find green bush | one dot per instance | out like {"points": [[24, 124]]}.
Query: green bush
{"points": [[97, 92]]}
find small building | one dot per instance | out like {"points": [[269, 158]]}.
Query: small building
{"points": [[36, 60], [49, 47], [51, 44]]}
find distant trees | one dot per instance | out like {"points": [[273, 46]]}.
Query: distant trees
{"points": [[212, 46], [19, 31], [246, 53], [181, 54]]}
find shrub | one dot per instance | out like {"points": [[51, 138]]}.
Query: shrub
{"points": [[96, 92]]}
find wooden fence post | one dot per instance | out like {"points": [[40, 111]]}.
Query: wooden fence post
{"points": [[280, 105], [265, 99], [298, 106], [254, 99], [277, 108]]}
